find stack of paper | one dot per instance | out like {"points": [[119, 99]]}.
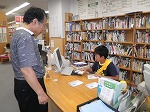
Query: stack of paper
{"points": [[75, 83], [107, 95], [125, 99], [110, 91], [92, 85], [96, 106], [80, 64]]}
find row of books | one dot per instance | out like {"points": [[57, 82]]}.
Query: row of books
{"points": [[72, 26], [143, 37], [11, 29], [124, 62], [77, 47], [137, 78], [92, 25], [3, 37], [114, 22], [3, 30], [74, 36], [138, 64], [68, 50], [68, 27], [78, 36], [69, 36], [69, 46], [119, 49], [142, 52], [90, 46], [93, 35], [121, 61], [88, 56], [76, 55], [124, 75], [115, 36], [142, 21], [126, 22]]}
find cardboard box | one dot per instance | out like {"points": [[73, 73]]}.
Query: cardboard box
{"points": [[68, 17]]}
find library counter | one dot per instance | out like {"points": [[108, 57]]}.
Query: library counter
{"points": [[65, 98]]}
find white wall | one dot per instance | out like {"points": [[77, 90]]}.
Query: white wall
{"points": [[57, 9], [65, 8], [55, 18], [73, 7]]}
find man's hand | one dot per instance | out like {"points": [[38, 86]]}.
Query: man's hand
{"points": [[43, 98]]}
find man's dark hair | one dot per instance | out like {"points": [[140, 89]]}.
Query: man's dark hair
{"points": [[102, 51], [8, 46], [32, 13]]}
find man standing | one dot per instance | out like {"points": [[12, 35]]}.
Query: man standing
{"points": [[27, 64]]}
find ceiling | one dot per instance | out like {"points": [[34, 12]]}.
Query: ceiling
{"points": [[7, 5]]}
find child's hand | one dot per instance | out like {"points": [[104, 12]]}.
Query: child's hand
{"points": [[84, 70], [98, 75]]}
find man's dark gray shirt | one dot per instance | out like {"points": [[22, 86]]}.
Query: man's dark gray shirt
{"points": [[25, 53]]}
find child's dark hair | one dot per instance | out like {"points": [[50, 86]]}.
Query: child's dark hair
{"points": [[32, 13], [102, 51]]}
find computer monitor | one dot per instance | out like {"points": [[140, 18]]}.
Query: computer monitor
{"points": [[58, 59], [146, 73], [43, 54], [40, 48], [41, 42], [44, 57]]}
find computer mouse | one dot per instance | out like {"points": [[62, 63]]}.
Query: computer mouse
{"points": [[80, 72], [76, 71]]}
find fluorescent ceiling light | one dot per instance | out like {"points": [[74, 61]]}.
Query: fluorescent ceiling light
{"points": [[46, 11], [11, 22], [17, 8]]}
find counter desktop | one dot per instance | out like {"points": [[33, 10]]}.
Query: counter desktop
{"points": [[116, 101]]}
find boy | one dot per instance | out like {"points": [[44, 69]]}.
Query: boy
{"points": [[103, 66]]}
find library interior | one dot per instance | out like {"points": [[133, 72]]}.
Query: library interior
{"points": [[95, 54]]}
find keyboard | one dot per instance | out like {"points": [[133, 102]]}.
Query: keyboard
{"points": [[67, 71]]}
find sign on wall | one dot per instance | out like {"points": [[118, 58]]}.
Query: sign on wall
{"points": [[18, 18], [100, 8]]}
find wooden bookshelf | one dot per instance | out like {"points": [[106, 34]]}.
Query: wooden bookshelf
{"points": [[118, 33], [4, 39], [12, 28], [45, 34]]}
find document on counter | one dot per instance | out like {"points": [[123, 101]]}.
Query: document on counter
{"points": [[91, 76], [75, 83], [92, 85]]}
